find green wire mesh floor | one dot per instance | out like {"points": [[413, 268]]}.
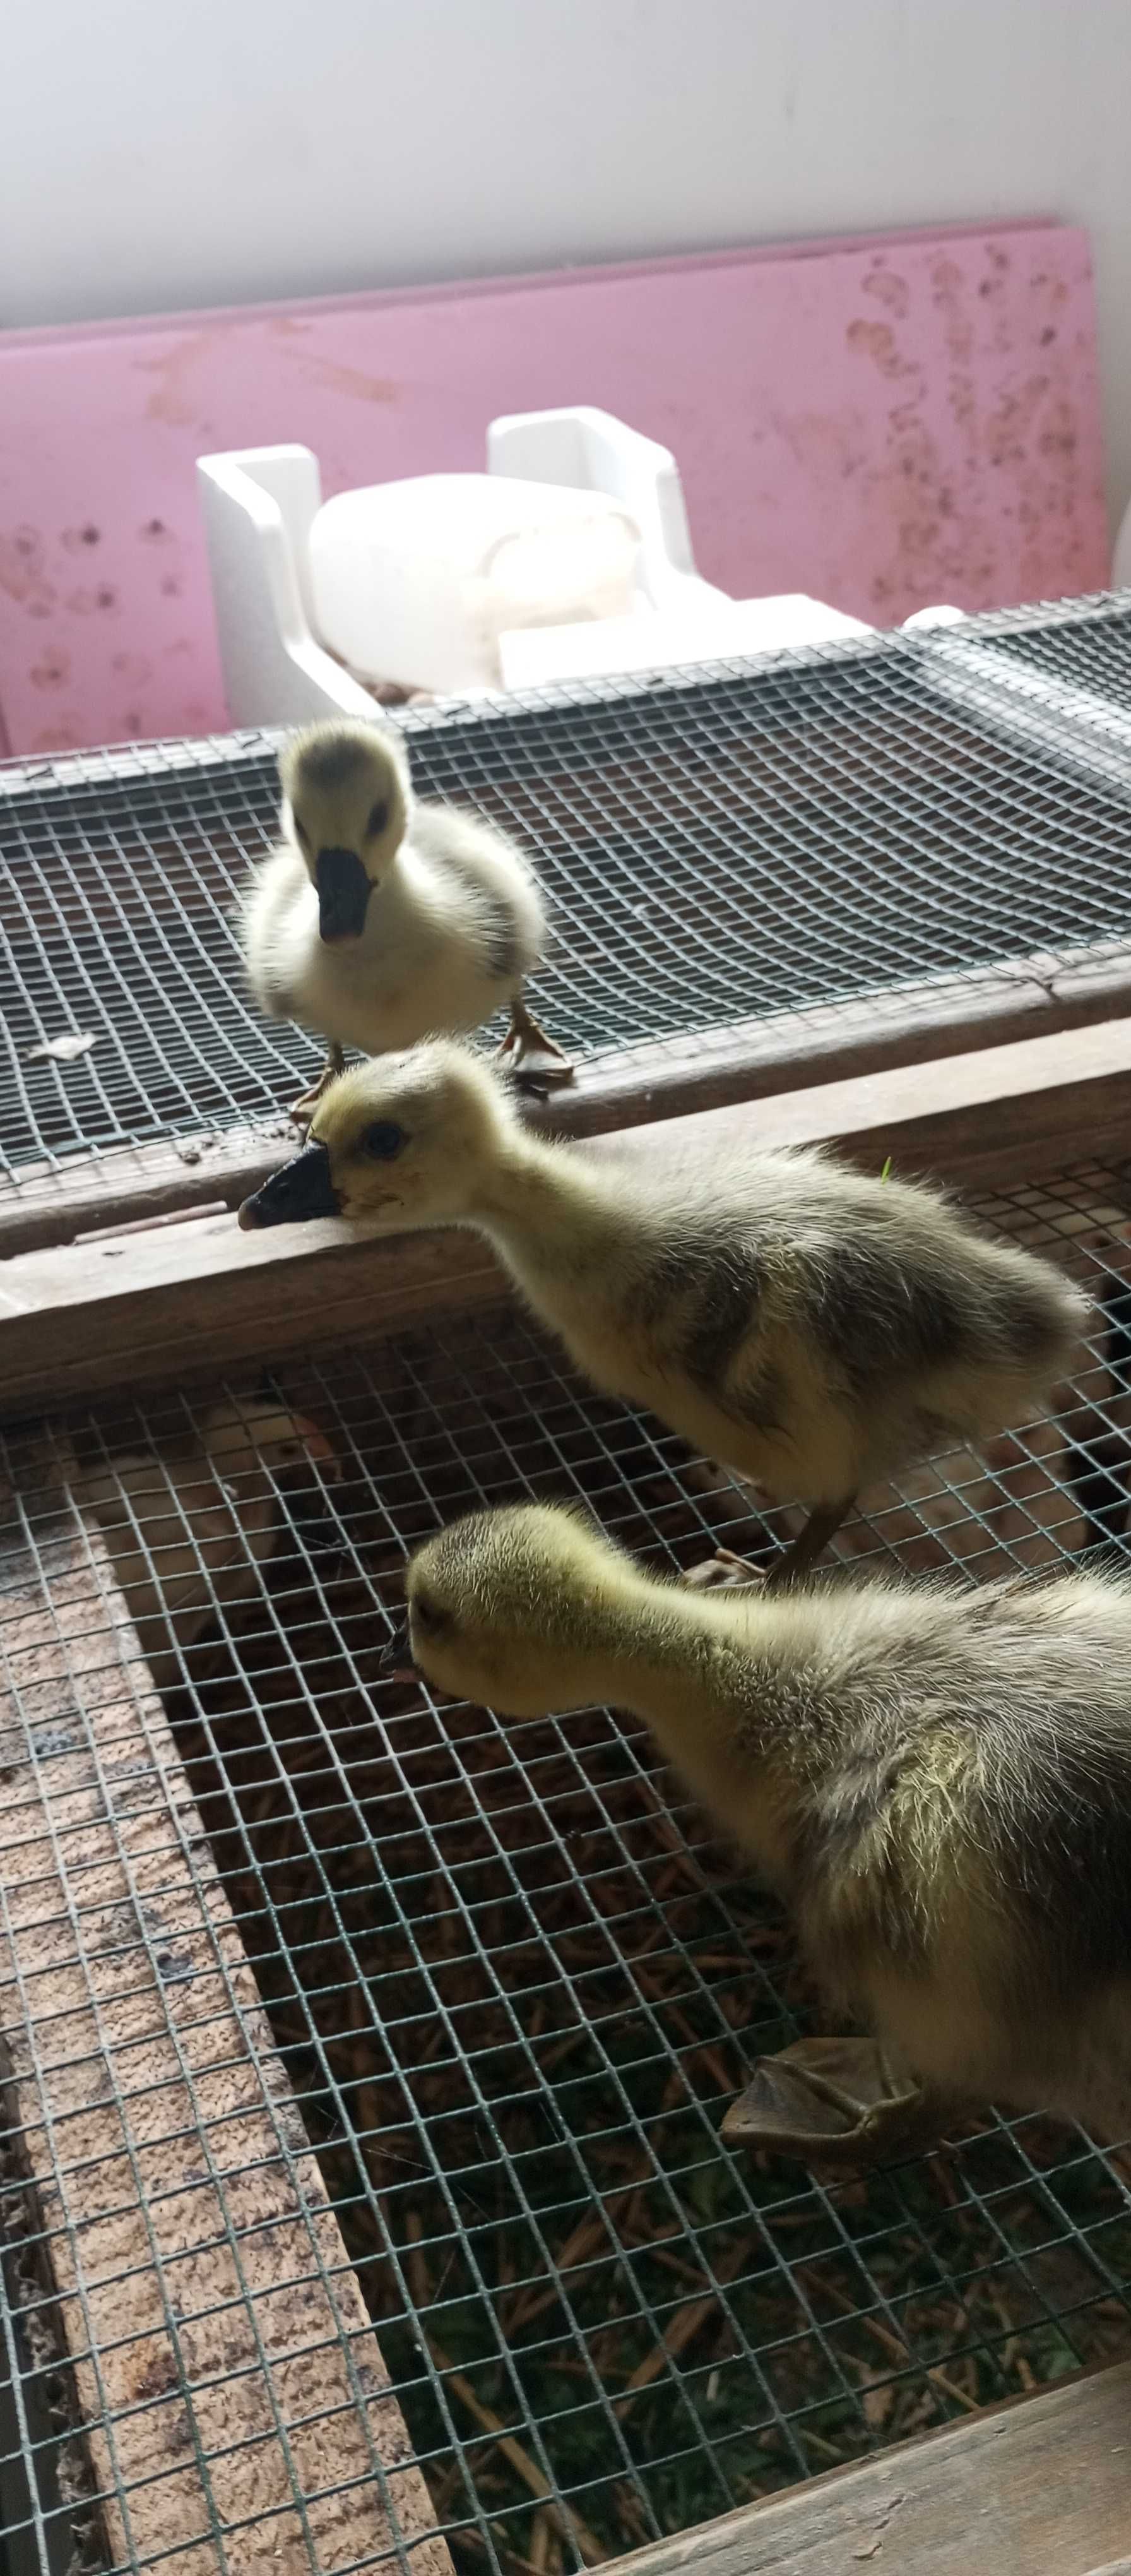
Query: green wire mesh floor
{"points": [[514, 1983], [745, 840]]}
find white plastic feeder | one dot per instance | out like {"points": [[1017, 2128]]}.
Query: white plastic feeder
{"points": [[577, 535], [419, 582]]}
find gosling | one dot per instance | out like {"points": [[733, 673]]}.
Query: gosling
{"points": [[936, 1782], [381, 918], [815, 1328]]}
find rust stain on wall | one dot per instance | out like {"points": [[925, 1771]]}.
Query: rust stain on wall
{"points": [[65, 734], [22, 574], [51, 670], [890, 290], [934, 511], [172, 398], [1009, 427], [877, 340], [829, 444], [340, 379]]}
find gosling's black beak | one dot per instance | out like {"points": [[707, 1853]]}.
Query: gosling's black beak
{"points": [[302, 1189], [343, 895], [396, 1661]]}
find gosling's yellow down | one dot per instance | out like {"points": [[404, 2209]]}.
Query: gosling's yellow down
{"points": [[382, 917], [815, 1328], [937, 1783]]}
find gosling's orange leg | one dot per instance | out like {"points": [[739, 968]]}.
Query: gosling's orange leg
{"points": [[303, 1110], [799, 1559], [530, 1054]]}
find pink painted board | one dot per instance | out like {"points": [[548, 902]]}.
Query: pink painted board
{"points": [[882, 423]]}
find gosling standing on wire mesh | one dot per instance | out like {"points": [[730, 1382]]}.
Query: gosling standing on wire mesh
{"points": [[381, 919], [817, 1329], [936, 1781]]}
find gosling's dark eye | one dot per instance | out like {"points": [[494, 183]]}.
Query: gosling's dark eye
{"points": [[377, 820], [427, 1614], [383, 1141]]}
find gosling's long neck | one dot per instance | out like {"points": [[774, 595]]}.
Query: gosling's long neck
{"points": [[549, 1209], [726, 1686], [683, 1658]]}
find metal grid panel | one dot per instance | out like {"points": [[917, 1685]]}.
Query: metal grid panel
{"points": [[513, 1984], [745, 840], [1086, 654]]}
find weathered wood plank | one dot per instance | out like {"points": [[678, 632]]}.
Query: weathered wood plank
{"points": [[230, 2388], [149, 1305], [1041, 2487], [749, 1059]]}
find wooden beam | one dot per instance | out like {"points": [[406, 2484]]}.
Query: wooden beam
{"points": [[961, 1116], [45, 1205], [231, 2394], [749, 1059], [1040, 2487], [158, 1306], [148, 1306]]}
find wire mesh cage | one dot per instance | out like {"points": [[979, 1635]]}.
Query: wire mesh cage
{"points": [[500, 1979], [721, 848]]}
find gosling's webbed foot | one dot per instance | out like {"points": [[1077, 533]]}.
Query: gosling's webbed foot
{"points": [[723, 1572], [530, 1054], [845, 2102]]}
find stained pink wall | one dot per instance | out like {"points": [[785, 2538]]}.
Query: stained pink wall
{"points": [[882, 423]]}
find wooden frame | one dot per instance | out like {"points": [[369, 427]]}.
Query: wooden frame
{"points": [[151, 1305], [1038, 2487], [107, 1834], [749, 1059], [228, 2380]]}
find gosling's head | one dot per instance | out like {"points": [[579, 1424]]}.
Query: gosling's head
{"points": [[403, 1140], [520, 1610], [346, 801]]}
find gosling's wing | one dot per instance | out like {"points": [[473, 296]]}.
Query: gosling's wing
{"points": [[490, 881]]}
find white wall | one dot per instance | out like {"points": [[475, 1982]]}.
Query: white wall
{"points": [[165, 153]]}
